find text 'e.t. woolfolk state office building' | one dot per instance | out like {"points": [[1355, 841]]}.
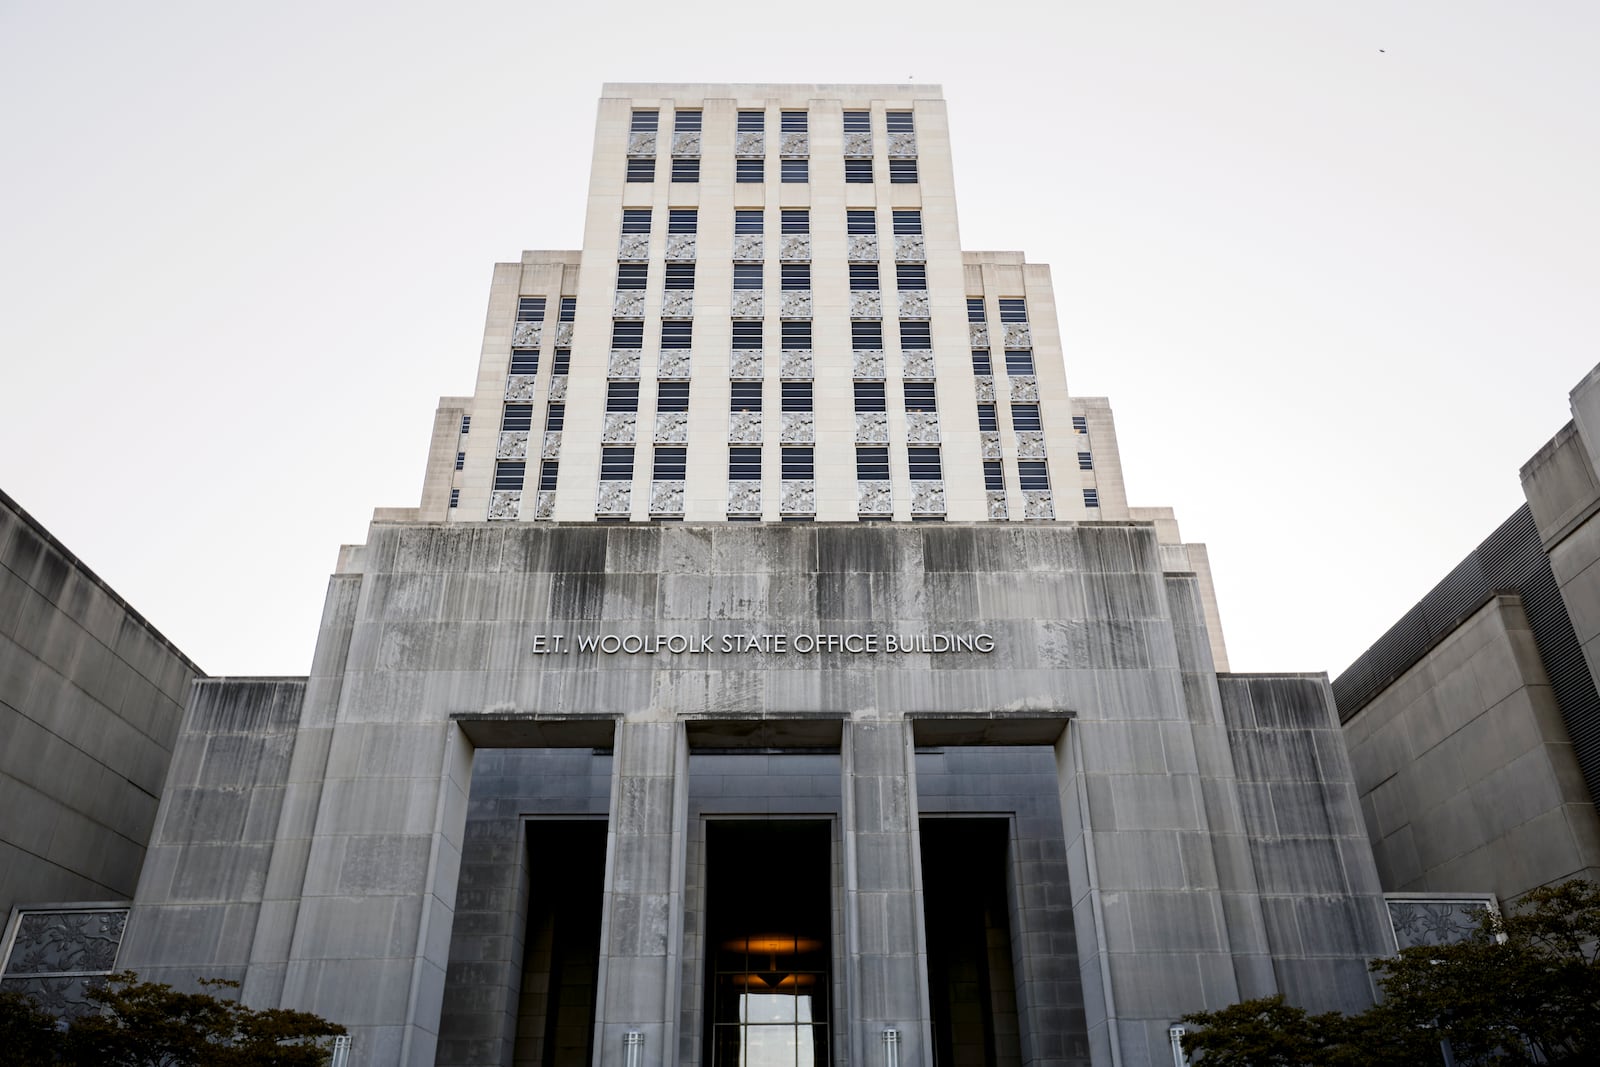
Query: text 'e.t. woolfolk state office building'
{"points": [[773, 673]]}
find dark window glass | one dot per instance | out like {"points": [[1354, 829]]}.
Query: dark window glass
{"points": [[993, 478], [461, 460], [900, 122], [466, 424], [517, 417], [530, 309], [675, 334], [569, 309], [858, 122], [672, 396], [645, 121], [744, 464], [524, 361], [987, 420], [641, 170], [1025, 417], [870, 397], [795, 276], [863, 276], [752, 121], [1013, 309], [555, 416], [872, 464], [919, 397], [686, 122], [680, 276], [563, 361], [1019, 361], [616, 464], [858, 171], [548, 472], [909, 221], [981, 363], [622, 396], [747, 335], [796, 333], [744, 396], [1091, 498], [636, 220], [797, 463], [911, 275], [915, 335], [866, 335], [685, 169], [792, 122], [1031, 474], [1080, 424], [747, 275], [1085, 461], [925, 465], [796, 220], [683, 220], [902, 172], [627, 335], [796, 396], [747, 221], [792, 171], [863, 220], [749, 171], [508, 474], [455, 498], [632, 275], [671, 462], [975, 312]]}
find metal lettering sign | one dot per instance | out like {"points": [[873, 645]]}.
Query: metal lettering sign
{"points": [[773, 644]]}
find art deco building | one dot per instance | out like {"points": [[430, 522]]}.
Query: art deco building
{"points": [[773, 672]]}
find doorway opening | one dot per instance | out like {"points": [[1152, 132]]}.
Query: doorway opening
{"points": [[561, 957]]}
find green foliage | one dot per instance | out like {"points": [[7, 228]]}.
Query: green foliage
{"points": [[27, 1035], [1522, 990]]}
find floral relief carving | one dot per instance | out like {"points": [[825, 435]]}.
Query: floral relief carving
{"points": [[744, 498], [1030, 444], [869, 364], [989, 443], [927, 498], [997, 504], [795, 363], [983, 385], [672, 427], [914, 304], [677, 304], [1434, 922], [858, 145], [666, 498], [1024, 387], [614, 498], [861, 247], [686, 144], [795, 304], [526, 334], [744, 427], [552, 445], [624, 363], [558, 389], [872, 428], [799, 428], [628, 304], [980, 334], [794, 145], [749, 247], [1038, 504], [642, 143], [745, 363], [513, 444], [634, 246], [519, 388], [922, 427], [866, 304], [874, 498], [673, 363], [505, 503], [680, 247], [902, 146], [917, 364], [619, 427], [795, 248], [58, 942], [544, 504], [563, 335], [1018, 335], [909, 248], [799, 496], [750, 145], [748, 303]]}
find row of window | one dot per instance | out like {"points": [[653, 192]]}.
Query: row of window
{"points": [[531, 309], [1012, 309], [686, 170], [858, 221], [753, 121], [1019, 362]]}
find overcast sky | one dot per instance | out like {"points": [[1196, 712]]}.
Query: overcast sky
{"points": [[1336, 265]]}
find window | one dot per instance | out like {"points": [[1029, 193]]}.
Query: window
{"points": [[872, 464], [680, 276], [632, 275], [796, 333], [563, 362], [675, 334], [466, 424], [863, 276], [744, 464], [749, 171], [569, 309], [627, 335], [530, 309], [672, 396], [902, 172], [747, 335], [981, 363], [1025, 417], [745, 396], [919, 397], [1085, 461], [915, 335], [747, 276], [516, 417], [508, 474], [993, 478], [796, 220], [683, 220], [861, 221], [455, 498], [793, 122], [858, 171], [616, 464], [870, 397], [645, 122], [796, 396], [686, 122], [524, 361], [1019, 361], [911, 275], [975, 311], [686, 169], [858, 122], [798, 463], [1013, 309], [909, 221], [747, 221], [900, 122], [555, 417], [866, 335], [1080, 424], [925, 466], [461, 460], [987, 420], [641, 170], [636, 220], [1091, 498], [622, 396], [672, 462], [792, 171], [1031, 474], [795, 276], [549, 470], [752, 121]]}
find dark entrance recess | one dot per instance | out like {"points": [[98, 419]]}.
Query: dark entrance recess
{"points": [[561, 959], [970, 977], [768, 896]]}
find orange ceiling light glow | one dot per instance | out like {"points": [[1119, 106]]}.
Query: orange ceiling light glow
{"points": [[773, 945]]}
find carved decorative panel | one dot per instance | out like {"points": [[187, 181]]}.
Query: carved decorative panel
{"points": [[614, 498], [619, 427], [513, 444], [795, 248], [677, 304], [1024, 387], [799, 496], [505, 503], [794, 145], [642, 143], [869, 364], [58, 956], [750, 145], [686, 144], [563, 335], [795, 364], [917, 365], [927, 498], [989, 443], [552, 445], [861, 247], [914, 304], [624, 363], [749, 247], [672, 427], [874, 498], [744, 498], [666, 498], [866, 304], [1445, 921], [858, 145], [673, 363], [680, 247], [745, 363], [558, 389], [628, 304], [980, 334], [526, 334], [748, 303], [983, 385], [744, 427], [519, 388], [798, 428], [634, 246], [544, 504], [795, 304], [1018, 335], [872, 428], [1030, 444], [1038, 504], [902, 146], [922, 427], [909, 248], [997, 504]]}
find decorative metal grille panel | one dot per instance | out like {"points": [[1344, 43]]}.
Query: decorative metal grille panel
{"points": [[505, 503], [513, 444]]}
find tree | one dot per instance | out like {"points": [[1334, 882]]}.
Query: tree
{"points": [[28, 1034]]}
